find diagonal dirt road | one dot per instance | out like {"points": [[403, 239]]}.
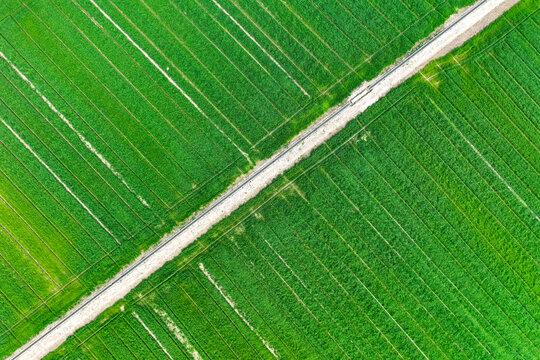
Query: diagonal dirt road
{"points": [[453, 33]]}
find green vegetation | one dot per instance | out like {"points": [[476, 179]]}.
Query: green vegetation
{"points": [[413, 233], [120, 119]]}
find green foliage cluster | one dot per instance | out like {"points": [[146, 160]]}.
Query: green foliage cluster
{"points": [[415, 237], [175, 157]]}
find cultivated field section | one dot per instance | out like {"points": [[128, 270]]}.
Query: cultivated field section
{"points": [[413, 233], [120, 119]]}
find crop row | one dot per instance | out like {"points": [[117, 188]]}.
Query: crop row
{"points": [[416, 238], [135, 156]]}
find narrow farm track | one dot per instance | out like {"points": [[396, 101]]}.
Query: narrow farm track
{"points": [[455, 31]]}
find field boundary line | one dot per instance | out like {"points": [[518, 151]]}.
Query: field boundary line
{"points": [[110, 93], [55, 155], [315, 33], [194, 56], [188, 80], [252, 38], [471, 20], [250, 54], [57, 178], [81, 137], [350, 73], [275, 18]]}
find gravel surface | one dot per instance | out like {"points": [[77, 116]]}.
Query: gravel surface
{"points": [[453, 33]]}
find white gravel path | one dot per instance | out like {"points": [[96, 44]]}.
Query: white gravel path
{"points": [[460, 28]]}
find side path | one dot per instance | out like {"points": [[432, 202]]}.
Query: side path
{"points": [[454, 32]]}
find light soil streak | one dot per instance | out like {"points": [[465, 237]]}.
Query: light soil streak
{"points": [[178, 334], [238, 312], [152, 61], [136, 316], [453, 33], [81, 137], [262, 48], [59, 180], [495, 172], [169, 78]]}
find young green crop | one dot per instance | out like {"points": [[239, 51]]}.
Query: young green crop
{"points": [[416, 237], [136, 119]]}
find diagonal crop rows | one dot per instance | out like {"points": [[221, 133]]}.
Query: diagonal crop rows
{"points": [[415, 237], [121, 119]]}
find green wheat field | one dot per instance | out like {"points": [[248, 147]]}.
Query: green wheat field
{"points": [[413, 233]]}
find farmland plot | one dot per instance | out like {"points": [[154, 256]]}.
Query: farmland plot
{"points": [[120, 119], [414, 237]]}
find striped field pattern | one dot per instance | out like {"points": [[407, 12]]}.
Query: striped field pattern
{"points": [[120, 119], [414, 237]]}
